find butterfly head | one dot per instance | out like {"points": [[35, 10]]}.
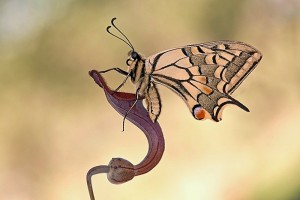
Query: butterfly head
{"points": [[135, 62], [133, 56]]}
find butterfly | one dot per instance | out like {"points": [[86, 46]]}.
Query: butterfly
{"points": [[204, 75]]}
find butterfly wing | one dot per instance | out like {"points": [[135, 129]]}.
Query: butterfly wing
{"points": [[204, 75]]}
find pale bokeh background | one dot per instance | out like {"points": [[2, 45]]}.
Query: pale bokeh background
{"points": [[55, 123]]}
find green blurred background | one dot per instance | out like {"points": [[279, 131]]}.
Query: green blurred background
{"points": [[55, 122]]}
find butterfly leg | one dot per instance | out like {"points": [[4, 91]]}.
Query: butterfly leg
{"points": [[132, 65], [121, 71], [121, 85], [137, 97]]}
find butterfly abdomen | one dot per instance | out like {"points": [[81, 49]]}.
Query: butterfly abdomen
{"points": [[153, 102], [138, 72]]}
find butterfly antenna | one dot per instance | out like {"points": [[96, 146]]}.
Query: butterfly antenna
{"points": [[112, 22], [125, 41]]}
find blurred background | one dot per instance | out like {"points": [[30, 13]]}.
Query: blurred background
{"points": [[55, 123]]}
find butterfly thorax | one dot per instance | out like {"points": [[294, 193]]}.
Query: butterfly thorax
{"points": [[136, 70]]}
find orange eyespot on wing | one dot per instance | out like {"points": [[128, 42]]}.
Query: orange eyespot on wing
{"points": [[198, 112]]}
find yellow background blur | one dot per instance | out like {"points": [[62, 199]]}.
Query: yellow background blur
{"points": [[55, 122]]}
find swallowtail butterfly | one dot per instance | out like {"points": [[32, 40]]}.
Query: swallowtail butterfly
{"points": [[204, 75]]}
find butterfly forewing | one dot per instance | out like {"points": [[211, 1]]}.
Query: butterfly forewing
{"points": [[204, 75]]}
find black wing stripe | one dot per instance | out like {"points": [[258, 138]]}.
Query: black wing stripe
{"points": [[159, 78], [185, 52]]}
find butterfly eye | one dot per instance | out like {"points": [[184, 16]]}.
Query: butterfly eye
{"points": [[134, 55]]}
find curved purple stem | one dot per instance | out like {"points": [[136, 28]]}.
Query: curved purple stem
{"points": [[138, 115]]}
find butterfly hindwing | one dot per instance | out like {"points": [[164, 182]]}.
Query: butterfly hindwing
{"points": [[204, 75]]}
